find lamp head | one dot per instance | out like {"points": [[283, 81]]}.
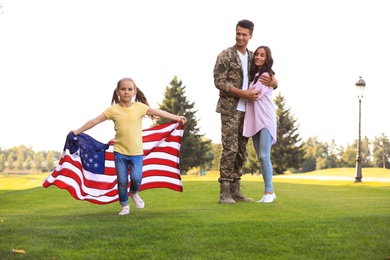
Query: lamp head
{"points": [[360, 85]]}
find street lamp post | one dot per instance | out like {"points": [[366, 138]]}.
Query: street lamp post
{"points": [[360, 84]]}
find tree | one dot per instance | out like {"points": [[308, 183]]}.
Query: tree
{"points": [[252, 163], [195, 150], [321, 155], [28, 162], [334, 154], [286, 153], [20, 159], [10, 161], [217, 153], [366, 152], [348, 157], [50, 160], [381, 151], [313, 150], [38, 160], [2, 162]]}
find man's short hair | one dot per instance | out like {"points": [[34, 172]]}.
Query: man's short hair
{"points": [[246, 24]]}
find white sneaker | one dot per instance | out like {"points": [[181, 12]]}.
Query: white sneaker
{"points": [[267, 198], [138, 202], [124, 211]]}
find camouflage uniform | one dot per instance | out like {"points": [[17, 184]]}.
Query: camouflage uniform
{"points": [[228, 73]]}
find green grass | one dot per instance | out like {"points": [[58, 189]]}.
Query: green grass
{"points": [[21, 182], [309, 220], [366, 172]]}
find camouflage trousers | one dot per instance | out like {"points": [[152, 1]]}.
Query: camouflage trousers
{"points": [[233, 146]]}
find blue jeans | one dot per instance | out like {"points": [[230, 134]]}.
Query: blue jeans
{"points": [[122, 165], [262, 141]]}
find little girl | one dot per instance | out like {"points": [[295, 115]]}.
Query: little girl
{"points": [[128, 149]]}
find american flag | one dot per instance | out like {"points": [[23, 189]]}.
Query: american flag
{"points": [[87, 169]]}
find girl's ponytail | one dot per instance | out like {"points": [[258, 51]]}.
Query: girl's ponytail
{"points": [[115, 98], [140, 96]]}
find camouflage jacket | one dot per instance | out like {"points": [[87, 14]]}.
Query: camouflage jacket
{"points": [[228, 73]]}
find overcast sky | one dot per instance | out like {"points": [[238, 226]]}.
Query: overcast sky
{"points": [[60, 61]]}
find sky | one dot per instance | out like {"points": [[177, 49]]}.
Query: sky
{"points": [[60, 62]]}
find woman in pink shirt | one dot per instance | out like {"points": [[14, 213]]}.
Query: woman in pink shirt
{"points": [[260, 118]]}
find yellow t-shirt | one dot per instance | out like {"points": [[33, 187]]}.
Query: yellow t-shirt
{"points": [[128, 127]]}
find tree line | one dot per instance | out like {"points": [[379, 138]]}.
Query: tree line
{"points": [[21, 159], [289, 153]]}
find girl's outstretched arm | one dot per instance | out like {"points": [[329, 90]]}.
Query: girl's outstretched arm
{"points": [[91, 123], [156, 112]]}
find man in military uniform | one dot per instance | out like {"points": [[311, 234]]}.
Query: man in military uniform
{"points": [[231, 72]]}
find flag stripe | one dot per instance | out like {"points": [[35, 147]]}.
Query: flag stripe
{"points": [[161, 168], [158, 137]]}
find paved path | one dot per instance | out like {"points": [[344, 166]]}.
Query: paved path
{"points": [[330, 178]]}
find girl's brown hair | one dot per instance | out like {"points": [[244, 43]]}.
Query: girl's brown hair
{"points": [[139, 97], [269, 61]]}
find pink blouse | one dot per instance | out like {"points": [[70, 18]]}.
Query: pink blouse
{"points": [[261, 113]]}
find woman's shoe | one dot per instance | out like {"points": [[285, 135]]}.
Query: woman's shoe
{"points": [[267, 198]]}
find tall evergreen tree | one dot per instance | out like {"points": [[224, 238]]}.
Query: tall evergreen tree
{"points": [[286, 153], [194, 151]]}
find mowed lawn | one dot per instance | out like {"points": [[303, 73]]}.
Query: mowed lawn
{"points": [[310, 219]]}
